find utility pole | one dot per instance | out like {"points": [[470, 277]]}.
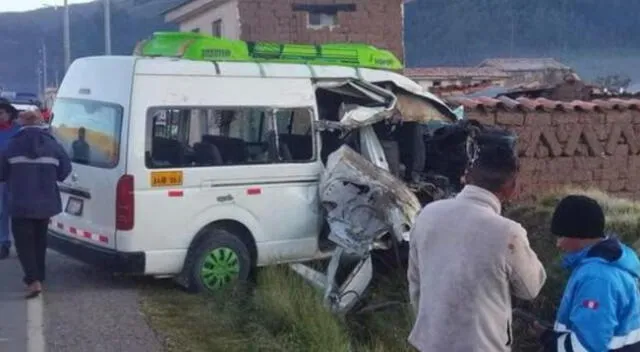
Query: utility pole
{"points": [[39, 77], [67, 35], [107, 27], [45, 67], [513, 30]]}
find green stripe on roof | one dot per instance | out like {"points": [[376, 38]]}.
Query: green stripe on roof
{"points": [[202, 47]]}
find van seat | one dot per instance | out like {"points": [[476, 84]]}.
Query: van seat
{"points": [[206, 154], [413, 150], [300, 147], [331, 142], [232, 150], [168, 151]]}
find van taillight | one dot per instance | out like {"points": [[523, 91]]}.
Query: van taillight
{"points": [[124, 203]]}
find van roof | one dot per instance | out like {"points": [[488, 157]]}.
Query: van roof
{"points": [[186, 67]]}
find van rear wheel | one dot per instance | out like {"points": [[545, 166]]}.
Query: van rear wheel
{"points": [[220, 261]]}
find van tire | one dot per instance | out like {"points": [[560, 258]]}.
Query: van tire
{"points": [[218, 261]]}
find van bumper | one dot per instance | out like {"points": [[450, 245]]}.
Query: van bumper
{"points": [[109, 259]]}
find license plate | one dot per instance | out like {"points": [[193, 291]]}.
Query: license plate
{"points": [[74, 206], [166, 178]]}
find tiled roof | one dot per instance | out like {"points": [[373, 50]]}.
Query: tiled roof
{"points": [[524, 64], [542, 104], [454, 72]]}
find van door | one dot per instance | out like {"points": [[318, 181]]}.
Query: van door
{"points": [[90, 133], [241, 160]]}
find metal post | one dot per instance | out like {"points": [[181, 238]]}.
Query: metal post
{"points": [[107, 27], [67, 35], [45, 67], [39, 77]]}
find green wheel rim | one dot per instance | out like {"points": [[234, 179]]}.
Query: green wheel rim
{"points": [[220, 267]]}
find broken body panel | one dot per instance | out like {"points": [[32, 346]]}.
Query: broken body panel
{"points": [[363, 201], [369, 202]]}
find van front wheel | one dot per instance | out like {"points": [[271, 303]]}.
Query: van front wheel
{"points": [[219, 261]]}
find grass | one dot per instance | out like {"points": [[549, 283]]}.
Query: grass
{"points": [[284, 313]]}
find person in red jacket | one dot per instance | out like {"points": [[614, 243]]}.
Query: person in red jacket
{"points": [[8, 128], [46, 114]]}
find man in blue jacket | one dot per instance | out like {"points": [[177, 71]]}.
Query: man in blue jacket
{"points": [[32, 165], [8, 128], [600, 309]]}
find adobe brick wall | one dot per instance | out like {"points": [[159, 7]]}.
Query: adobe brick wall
{"points": [[375, 22], [560, 148]]}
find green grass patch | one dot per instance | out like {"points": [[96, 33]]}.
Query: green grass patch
{"points": [[284, 313]]}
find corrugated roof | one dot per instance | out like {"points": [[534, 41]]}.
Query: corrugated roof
{"points": [[454, 72], [459, 89], [542, 104], [524, 64]]}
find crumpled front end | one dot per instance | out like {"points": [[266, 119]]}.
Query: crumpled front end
{"points": [[364, 202]]}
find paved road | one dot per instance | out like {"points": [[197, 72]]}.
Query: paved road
{"points": [[13, 308], [84, 310]]}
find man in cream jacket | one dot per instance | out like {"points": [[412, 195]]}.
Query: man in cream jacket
{"points": [[466, 261]]}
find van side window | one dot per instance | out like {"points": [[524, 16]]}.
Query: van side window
{"points": [[210, 137]]}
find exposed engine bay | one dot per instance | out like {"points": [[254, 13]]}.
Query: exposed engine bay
{"points": [[387, 153]]}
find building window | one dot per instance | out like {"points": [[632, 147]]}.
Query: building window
{"points": [[318, 19], [216, 29], [319, 16]]}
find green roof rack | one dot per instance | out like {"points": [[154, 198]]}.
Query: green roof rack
{"points": [[202, 47]]}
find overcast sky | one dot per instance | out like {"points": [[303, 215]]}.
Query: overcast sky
{"points": [[26, 5]]}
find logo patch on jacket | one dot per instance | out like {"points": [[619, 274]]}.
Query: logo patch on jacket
{"points": [[590, 304]]}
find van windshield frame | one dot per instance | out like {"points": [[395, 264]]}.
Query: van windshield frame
{"points": [[107, 141]]}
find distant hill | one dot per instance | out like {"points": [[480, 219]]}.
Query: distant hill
{"points": [[594, 36], [21, 36]]}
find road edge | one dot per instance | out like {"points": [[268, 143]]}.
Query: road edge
{"points": [[35, 325]]}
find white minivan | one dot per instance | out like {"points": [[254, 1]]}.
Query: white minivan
{"points": [[198, 170]]}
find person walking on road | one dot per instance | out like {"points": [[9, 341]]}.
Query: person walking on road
{"points": [[466, 260], [31, 166], [8, 128], [600, 309]]}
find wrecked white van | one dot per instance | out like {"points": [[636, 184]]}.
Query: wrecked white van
{"points": [[202, 171]]}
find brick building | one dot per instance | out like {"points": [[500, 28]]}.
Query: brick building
{"points": [[375, 22]]}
